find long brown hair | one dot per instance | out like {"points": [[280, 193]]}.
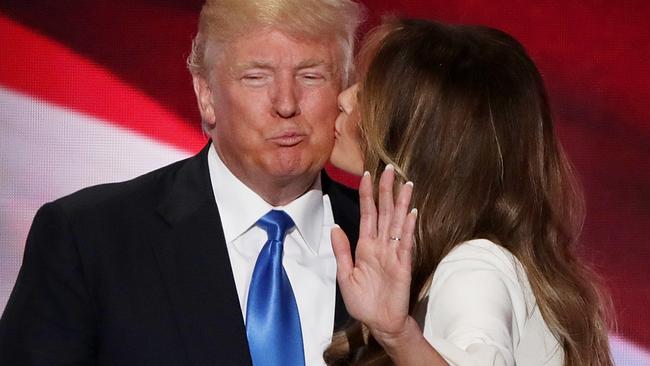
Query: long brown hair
{"points": [[463, 112]]}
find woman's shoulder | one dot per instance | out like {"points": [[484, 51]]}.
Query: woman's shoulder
{"points": [[486, 274], [482, 254], [480, 264], [480, 303]]}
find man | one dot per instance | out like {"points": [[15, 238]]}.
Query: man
{"points": [[159, 270]]}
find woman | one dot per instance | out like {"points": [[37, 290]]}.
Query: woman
{"points": [[487, 276]]}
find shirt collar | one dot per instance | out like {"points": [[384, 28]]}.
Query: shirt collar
{"points": [[232, 195]]}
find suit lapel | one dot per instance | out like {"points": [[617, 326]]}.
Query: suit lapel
{"points": [[345, 208], [196, 269]]}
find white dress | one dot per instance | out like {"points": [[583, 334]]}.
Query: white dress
{"points": [[481, 311]]}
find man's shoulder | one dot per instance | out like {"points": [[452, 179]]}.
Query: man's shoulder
{"points": [[142, 191]]}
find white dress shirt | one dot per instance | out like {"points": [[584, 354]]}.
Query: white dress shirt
{"points": [[308, 257], [482, 311]]}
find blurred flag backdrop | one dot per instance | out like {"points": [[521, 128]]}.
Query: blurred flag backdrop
{"points": [[97, 91]]}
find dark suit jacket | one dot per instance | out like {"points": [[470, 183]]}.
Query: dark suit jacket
{"points": [[136, 273]]}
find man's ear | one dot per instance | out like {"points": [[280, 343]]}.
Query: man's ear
{"points": [[204, 100]]}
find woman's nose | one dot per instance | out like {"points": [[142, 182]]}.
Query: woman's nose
{"points": [[347, 98]]}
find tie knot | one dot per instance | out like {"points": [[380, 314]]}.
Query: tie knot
{"points": [[276, 223]]}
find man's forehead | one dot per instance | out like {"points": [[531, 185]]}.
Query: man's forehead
{"points": [[264, 45]]}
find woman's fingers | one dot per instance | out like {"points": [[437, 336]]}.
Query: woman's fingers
{"points": [[405, 249], [400, 211], [390, 220], [385, 204], [368, 223], [342, 253]]}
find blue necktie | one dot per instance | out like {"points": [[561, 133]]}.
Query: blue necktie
{"points": [[272, 320]]}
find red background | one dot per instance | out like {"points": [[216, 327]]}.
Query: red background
{"points": [[593, 55]]}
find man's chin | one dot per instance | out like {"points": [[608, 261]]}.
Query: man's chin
{"points": [[292, 170], [294, 173]]}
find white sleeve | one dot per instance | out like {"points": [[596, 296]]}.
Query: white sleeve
{"points": [[476, 306]]}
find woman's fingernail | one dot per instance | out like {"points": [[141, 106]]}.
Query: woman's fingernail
{"points": [[409, 183], [389, 167], [335, 226], [414, 211], [366, 173]]}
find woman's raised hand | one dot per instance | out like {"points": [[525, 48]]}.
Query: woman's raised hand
{"points": [[376, 284]]}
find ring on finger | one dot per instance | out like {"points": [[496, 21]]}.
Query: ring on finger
{"points": [[394, 238]]}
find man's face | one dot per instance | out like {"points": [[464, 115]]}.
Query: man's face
{"points": [[271, 106]]}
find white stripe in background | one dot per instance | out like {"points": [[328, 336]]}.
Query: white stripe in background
{"points": [[47, 151], [627, 353]]}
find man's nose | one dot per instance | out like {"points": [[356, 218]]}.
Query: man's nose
{"points": [[286, 99]]}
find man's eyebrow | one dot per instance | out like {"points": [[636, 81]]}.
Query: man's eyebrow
{"points": [[314, 62], [251, 65], [260, 64]]}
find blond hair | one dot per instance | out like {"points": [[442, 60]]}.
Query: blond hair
{"points": [[221, 21]]}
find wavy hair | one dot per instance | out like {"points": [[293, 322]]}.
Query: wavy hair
{"points": [[464, 114]]}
